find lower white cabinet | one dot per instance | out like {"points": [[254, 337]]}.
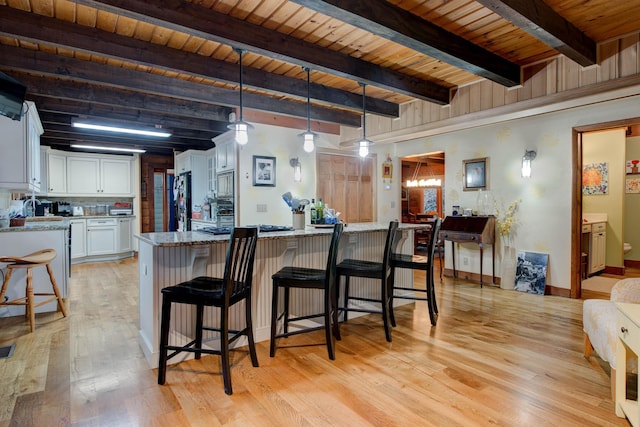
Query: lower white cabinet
{"points": [[102, 236], [125, 234], [101, 239], [78, 238]]}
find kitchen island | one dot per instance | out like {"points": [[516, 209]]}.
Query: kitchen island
{"points": [[166, 259], [38, 233]]}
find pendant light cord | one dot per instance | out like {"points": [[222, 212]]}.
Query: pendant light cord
{"points": [[240, 52], [364, 112], [308, 98]]}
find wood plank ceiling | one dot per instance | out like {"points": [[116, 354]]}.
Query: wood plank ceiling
{"points": [[174, 64]]}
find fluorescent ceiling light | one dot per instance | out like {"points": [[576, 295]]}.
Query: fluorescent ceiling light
{"points": [[97, 147], [121, 130]]}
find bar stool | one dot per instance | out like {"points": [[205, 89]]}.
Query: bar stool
{"points": [[234, 287], [41, 258], [417, 262], [289, 277], [373, 270]]}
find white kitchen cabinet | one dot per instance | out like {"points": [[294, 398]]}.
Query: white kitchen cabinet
{"points": [[182, 162], [56, 173], [78, 238], [98, 175], [20, 148], [211, 170], [225, 184], [102, 236], [125, 234], [225, 153]]}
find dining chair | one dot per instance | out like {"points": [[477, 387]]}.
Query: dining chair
{"points": [[234, 287], [380, 270], [291, 277], [417, 262]]}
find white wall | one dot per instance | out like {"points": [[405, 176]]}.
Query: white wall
{"points": [[544, 217], [283, 144]]}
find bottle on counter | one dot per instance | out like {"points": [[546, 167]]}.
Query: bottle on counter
{"points": [[312, 214], [320, 212]]}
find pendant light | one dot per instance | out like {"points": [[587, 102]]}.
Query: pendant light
{"points": [[240, 127], [308, 136], [364, 143]]}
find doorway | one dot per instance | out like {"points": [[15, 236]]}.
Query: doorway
{"points": [[577, 259], [422, 182]]}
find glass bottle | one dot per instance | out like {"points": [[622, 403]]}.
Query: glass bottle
{"points": [[312, 215]]}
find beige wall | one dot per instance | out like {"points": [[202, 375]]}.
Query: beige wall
{"points": [[608, 147]]}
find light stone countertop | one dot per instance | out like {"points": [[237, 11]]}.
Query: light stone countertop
{"points": [[189, 238]]}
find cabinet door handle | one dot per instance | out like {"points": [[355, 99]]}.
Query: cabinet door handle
{"points": [[624, 330]]}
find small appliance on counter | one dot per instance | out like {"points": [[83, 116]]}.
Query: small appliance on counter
{"points": [[121, 208], [62, 208], [44, 208], [78, 211]]}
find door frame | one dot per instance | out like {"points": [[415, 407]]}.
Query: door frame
{"points": [[576, 196]]}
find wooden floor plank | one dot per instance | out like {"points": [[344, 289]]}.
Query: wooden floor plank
{"points": [[496, 357]]}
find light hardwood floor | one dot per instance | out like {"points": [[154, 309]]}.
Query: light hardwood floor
{"points": [[496, 358]]}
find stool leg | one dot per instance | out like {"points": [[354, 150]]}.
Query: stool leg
{"points": [[5, 284], [29, 294], [274, 318], [56, 290]]}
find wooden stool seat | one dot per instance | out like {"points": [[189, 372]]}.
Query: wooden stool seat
{"points": [[31, 261]]}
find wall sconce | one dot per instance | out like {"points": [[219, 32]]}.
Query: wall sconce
{"points": [[297, 169], [529, 155]]}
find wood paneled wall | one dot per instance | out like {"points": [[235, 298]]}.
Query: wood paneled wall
{"points": [[148, 164], [618, 59]]}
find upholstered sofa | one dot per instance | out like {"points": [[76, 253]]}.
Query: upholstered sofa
{"points": [[599, 324]]}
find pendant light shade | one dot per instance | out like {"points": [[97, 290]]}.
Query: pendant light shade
{"points": [[364, 143], [308, 137], [240, 127]]}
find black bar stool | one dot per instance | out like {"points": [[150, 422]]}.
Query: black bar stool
{"points": [[232, 288], [373, 270], [309, 278], [417, 262]]}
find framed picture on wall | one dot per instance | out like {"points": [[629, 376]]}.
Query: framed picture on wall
{"points": [[264, 171], [474, 174]]}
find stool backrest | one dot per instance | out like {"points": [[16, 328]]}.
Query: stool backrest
{"points": [[332, 258], [433, 237], [238, 269], [389, 244]]}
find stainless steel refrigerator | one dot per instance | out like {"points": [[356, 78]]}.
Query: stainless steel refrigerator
{"points": [[182, 200]]}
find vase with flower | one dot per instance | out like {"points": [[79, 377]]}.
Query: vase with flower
{"points": [[505, 224]]}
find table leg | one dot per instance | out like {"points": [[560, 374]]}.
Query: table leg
{"points": [[480, 264]]}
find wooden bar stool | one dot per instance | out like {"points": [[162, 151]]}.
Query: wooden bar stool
{"points": [[31, 261]]}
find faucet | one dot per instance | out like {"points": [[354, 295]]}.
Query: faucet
{"points": [[29, 205]]}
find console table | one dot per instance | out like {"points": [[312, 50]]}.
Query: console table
{"points": [[470, 229]]}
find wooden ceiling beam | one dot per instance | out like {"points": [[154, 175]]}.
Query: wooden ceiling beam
{"points": [[398, 25], [54, 89], [67, 68], [61, 34], [126, 115], [543, 23], [201, 22]]}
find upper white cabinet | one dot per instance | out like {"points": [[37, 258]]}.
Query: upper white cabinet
{"points": [[225, 152], [20, 148], [211, 169], [56, 173], [98, 175], [182, 162]]}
